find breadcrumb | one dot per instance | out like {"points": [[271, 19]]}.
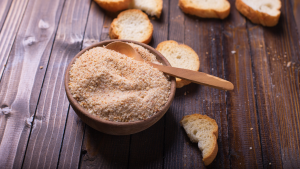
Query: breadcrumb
{"points": [[115, 87]]}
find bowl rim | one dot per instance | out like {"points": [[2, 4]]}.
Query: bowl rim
{"points": [[93, 117]]}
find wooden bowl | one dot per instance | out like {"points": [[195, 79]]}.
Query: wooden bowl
{"points": [[111, 127]]}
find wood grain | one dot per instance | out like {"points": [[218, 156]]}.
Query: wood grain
{"points": [[244, 138], [75, 129], [204, 37], [21, 82], [173, 134], [72, 142], [276, 66], [212, 102], [4, 7], [264, 101], [50, 119], [296, 14], [94, 25], [10, 28]]}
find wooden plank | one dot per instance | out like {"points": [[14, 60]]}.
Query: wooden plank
{"points": [[174, 135], [244, 139], [205, 37], [4, 7], [74, 132], [9, 29], [209, 101], [94, 26], [72, 142], [296, 11], [101, 150], [276, 66], [104, 151], [22, 80], [268, 122], [47, 133], [147, 147]]}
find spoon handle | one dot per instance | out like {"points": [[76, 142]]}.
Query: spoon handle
{"points": [[196, 77]]}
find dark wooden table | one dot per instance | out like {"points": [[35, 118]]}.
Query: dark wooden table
{"points": [[259, 121]]}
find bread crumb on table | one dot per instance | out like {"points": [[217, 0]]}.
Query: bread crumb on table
{"points": [[117, 88]]}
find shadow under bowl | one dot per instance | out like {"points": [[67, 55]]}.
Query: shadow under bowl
{"points": [[111, 127]]}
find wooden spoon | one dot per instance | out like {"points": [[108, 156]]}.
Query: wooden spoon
{"points": [[194, 76]]}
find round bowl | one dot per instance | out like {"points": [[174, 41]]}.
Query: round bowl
{"points": [[111, 127]]}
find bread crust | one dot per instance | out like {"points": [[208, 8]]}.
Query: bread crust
{"points": [[212, 152], [160, 7], [113, 6], [256, 16], [186, 7], [180, 82], [115, 34]]}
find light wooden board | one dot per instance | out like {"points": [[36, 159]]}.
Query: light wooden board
{"points": [[22, 79], [45, 143]]}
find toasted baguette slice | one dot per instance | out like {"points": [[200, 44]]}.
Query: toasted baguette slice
{"points": [[206, 8], [202, 130], [265, 12], [132, 24], [113, 5], [151, 7], [181, 56]]}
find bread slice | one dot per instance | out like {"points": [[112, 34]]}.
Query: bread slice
{"points": [[181, 56], [151, 7], [113, 5], [206, 8], [265, 12], [202, 130], [132, 24]]}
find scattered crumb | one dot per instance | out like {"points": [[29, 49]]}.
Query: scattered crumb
{"points": [[207, 53], [273, 59], [233, 52], [250, 148], [184, 156], [261, 46], [270, 163], [213, 38], [41, 67], [288, 64], [251, 128], [184, 93], [284, 56], [268, 53]]}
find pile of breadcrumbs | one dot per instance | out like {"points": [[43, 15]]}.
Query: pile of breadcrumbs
{"points": [[115, 87]]}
